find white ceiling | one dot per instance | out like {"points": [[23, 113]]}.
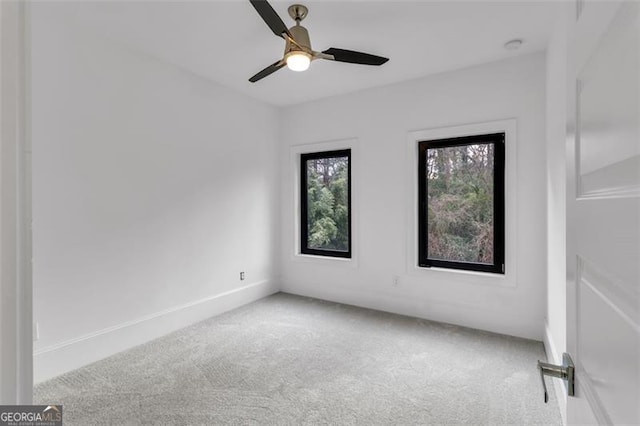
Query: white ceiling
{"points": [[227, 41]]}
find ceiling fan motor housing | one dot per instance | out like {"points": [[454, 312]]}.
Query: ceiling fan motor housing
{"points": [[301, 36]]}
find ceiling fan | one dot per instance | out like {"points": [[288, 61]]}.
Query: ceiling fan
{"points": [[297, 51]]}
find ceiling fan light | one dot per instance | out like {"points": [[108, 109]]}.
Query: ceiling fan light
{"points": [[298, 61]]}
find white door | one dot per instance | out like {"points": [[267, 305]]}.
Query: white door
{"points": [[603, 212]]}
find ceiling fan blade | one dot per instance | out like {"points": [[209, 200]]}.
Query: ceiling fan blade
{"points": [[270, 16], [352, 57], [268, 71]]}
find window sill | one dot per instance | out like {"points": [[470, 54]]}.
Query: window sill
{"points": [[326, 260], [475, 277]]}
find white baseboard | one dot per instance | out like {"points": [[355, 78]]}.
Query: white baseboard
{"points": [[60, 358], [554, 357]]}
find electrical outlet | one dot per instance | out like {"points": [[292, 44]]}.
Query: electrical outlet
{"points": [[36, 331], [396, 281], [241, 276]]}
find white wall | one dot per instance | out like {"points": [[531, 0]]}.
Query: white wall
{"points": [[153, 189], [556, 324], [381, 120]]}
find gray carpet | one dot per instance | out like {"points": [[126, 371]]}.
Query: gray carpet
{"points": [[293, 360]]}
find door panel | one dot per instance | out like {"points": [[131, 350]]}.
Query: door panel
{"points": [[603, 213], [609, 153], [607, 328]]}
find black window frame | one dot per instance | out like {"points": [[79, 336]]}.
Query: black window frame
{"points": [[304, 225], [499, 238]]}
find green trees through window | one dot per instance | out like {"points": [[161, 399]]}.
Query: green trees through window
{"points": [[462, 203], [325, 202]]}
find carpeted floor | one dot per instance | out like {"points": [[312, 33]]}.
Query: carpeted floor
{"points": [[293, 360]]}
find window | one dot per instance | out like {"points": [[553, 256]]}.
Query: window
{"points": [[326, 203], [461, 203]]}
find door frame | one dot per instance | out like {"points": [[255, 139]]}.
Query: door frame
{"points": [[16, 341]]}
